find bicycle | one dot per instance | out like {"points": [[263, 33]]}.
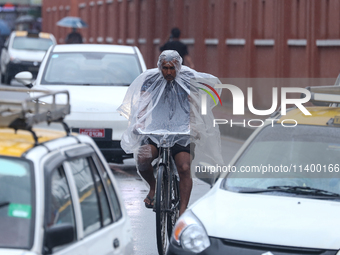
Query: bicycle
{"points": [[167, 199]]}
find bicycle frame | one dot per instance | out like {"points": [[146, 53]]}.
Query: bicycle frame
{"points": [[167, 191], [167, 199]]}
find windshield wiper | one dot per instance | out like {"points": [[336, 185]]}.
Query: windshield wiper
{"points": [[117, 84], [304, 190], [5, 203], [294, 189]]}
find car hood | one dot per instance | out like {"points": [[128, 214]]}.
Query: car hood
{"points": [[28, 55], [92, 99], [269, 219]]}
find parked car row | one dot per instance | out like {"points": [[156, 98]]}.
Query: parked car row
{"points": [[97, 77], [57, 193]]}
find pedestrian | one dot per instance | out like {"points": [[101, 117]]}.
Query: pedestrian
{"points": [[175, 44], [74, 37], [166, 99]]}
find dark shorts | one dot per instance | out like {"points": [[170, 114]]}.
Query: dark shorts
{"points": [[190, 148]]}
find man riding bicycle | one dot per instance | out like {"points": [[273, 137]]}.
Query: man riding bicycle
{"points": [[164, 99]]}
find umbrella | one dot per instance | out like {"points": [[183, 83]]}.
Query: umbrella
{"points": [[4, 28], [74, 22], [25, 19]]}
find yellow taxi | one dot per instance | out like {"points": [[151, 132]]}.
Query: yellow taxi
{"points": [[57, 193], [280, 194]]}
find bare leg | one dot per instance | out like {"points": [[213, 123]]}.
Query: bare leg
{"points": [[146, 154], [183, 160]]}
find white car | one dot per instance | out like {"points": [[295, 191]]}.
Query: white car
{"points": [[23, 51], [57, 192], [97, 77], [280, 194]]}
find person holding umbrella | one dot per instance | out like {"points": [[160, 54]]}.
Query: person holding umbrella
{"points": [[74, 23], [74, 37]]}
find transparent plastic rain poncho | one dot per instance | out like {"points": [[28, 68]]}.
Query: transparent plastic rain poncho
{"points": [[153, 104]]}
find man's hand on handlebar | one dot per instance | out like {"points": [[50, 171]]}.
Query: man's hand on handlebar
{"points": [[136, 127]]}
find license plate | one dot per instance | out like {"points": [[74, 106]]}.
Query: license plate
{"points": [[92, 132]]}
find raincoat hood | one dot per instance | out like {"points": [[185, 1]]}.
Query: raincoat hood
{"points": [[170, 56]]}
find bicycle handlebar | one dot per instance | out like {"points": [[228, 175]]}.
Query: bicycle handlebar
{"points": [[140, 131]]}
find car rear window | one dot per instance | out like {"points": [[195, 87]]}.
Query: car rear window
{"points": [[91, 68], [16, 203]]}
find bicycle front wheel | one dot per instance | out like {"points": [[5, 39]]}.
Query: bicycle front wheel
{"points": [[174, 203], [162, 209]]}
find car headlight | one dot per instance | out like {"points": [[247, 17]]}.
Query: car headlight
{"points": [[190, 234]]}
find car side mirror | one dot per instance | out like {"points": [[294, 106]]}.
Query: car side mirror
{"points": [[25, 78], [57, 235], [207, 173]]}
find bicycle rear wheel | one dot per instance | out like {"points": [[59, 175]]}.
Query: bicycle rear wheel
{"points": [[162, 209]]}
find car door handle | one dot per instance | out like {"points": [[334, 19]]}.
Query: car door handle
{"points": [[116, 243]]}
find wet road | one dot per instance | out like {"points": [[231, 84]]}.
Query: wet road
{"points": [[134, 190]]}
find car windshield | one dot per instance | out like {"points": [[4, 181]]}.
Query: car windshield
{"points": [[91, 68], [31, 43], [301, 160], [16, 203]]}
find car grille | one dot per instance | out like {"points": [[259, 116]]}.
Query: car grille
{"points": [[107, 144], [24, 66]]}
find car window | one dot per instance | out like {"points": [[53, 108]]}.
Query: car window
{"points": [[31, 43], [104, 203], [112, 193], [60, 208], [308, 156], [91, 68], [88, 198], [16, 203]]}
